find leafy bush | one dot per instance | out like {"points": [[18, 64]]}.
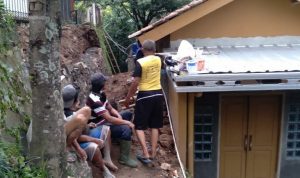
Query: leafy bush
{"points": [[7, 29], [14, 164]]}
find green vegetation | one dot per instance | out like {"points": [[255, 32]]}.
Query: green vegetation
{"points": [[143, 12], [123, 17], [13, 96], [7, 26], [101, 37], [13, 163]]}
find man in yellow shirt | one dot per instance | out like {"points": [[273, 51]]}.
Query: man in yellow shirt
{"points": [[149, 103]]}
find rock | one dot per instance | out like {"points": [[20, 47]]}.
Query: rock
{"points": [[174, 173], [161, 152], [166, 141], [79, 169], [165, 166]]}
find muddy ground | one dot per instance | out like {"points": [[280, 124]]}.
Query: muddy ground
{"points": [[116, 88]]}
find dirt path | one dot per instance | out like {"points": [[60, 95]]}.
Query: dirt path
{"points": [[118, 86], [164, 155]]}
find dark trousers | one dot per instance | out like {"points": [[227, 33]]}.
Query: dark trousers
{"points": [[123, 132]]}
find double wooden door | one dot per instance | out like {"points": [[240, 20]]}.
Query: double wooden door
{"points": [[249, 136]]}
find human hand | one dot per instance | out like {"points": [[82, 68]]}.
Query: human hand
{"points": [[82, 154], [92, 125], [99, 142], [128, 101], [131, 125]]}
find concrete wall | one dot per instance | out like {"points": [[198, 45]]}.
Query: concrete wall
{"points": [[178, 112], [288, 168], [246, 18]]}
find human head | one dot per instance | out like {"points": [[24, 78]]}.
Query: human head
{"points": [[98, 82], [70, 96], [148, 47]]}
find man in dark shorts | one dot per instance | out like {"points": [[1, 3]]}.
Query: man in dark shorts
{"points": [[149, 102], [104, 114]]}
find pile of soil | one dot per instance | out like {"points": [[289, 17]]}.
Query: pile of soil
{"points": [[81, 56], [75, 40]]}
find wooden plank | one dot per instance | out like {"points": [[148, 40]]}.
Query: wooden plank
{"points": [[190, 139]]}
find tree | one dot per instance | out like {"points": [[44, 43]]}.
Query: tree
{"points": [[123, 17], [143, 12], [48, 137]]}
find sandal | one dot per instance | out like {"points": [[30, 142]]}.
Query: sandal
{"points": [[149, 149], [143, 159], [150, 152]]}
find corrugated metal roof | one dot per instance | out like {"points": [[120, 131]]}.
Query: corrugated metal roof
{"points": [[240, 59], [244, 68]]}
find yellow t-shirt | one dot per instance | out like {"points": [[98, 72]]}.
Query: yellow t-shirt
{"points": [[150, 78]]}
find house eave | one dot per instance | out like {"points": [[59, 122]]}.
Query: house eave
{"points": [[229, 82]]}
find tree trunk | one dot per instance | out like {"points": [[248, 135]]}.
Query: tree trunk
{"points": [[48, 137]]}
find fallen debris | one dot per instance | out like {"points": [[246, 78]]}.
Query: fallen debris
{"points": [[165, 166]]}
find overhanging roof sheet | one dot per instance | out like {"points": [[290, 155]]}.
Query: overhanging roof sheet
{"points": [[226, 66], [241, 59]]}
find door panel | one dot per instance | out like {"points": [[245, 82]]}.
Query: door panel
{"points": [[263, 127], [257, 118], [233, 130]]}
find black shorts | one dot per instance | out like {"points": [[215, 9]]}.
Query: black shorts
{"points": [[148, 110]]}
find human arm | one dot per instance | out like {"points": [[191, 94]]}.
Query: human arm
{"points": [[79, 150], [113, 111], [137, 74], [116, 120], [104, 110], [86, 138], [132, 90]]}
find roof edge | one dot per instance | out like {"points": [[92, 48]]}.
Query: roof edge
{"points": [[168, 17]]}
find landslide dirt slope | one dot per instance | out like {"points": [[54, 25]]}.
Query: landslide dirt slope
{"points": [[81, 56]]}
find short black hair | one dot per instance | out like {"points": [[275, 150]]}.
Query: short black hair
{"points": [[98, 81], [149, 45]]}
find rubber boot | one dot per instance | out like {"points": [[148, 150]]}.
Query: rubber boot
{"points": [[125, 154]]}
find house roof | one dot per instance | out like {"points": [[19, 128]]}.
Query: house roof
{"points": [[179, 18], [244, 68], [250, 59], [170, 16]]}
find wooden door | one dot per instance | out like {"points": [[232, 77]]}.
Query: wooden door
{"points": [[249, 136], [263, 128], [233, 131]]}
